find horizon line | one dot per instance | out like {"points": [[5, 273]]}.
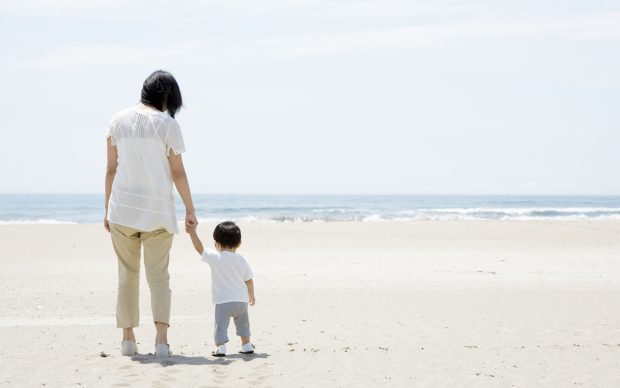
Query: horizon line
{"points": [[345, 194]]}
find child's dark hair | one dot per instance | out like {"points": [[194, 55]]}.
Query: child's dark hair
{"points": [[159, 88], [228, 234]]}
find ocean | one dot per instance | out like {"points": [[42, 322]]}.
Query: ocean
{"points": [[88, 208]]}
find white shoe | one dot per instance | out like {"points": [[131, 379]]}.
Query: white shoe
{"points": [[219, 352], [247, 348], [162, 351], [129, 348]]}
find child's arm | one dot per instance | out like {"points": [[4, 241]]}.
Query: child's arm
{"points": [[195, 240], [250, 285]]}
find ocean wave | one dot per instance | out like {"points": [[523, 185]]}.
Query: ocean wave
{"points": [[72, 209], [515, 210], [373, 218], [37, 222], [436, 215]]}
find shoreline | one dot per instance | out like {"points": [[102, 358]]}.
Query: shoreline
{"points": [[253, 220]]}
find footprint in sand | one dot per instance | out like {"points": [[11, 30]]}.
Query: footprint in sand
{"points": [[219, 375], [259, 374], [128, 376]]}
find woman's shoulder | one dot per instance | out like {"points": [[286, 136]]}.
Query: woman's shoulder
{"points": [[161, 120], [167, 122], [144, 110], [123, 113]]}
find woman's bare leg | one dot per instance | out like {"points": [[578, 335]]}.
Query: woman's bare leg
{"points": [[162, 333], [128, 334]]}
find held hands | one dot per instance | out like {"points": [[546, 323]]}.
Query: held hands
{"points": [[191, 223]]}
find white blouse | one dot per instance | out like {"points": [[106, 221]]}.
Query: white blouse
{"points": [[142, 191]]}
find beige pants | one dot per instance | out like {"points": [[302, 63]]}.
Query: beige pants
{"points": [[127, 244]]}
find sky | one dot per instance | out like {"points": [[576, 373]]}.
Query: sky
{"points": [[335, 96]]}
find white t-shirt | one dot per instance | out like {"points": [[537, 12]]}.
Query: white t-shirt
{"points": [[142, 192], [229, 272]]}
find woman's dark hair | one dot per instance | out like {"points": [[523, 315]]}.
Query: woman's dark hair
{"points": [[228, 234], [159, 88]]}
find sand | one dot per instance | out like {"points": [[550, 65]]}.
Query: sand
{"points": [[401, 304]]}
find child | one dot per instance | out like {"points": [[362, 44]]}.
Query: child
{"points": [[231, 284]]}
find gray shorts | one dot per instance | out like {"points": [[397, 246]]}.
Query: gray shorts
{"points": [[223, 312]]}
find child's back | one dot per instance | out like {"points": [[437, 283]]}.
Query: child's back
{"points": [[229, 272]]}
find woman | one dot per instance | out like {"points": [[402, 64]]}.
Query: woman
{"points": [[144, 160]]}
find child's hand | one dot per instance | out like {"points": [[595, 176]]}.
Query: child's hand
{"points": [[252, 301], [191, 229]]}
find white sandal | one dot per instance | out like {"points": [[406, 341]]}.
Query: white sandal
{"points": [[162, 351], [247, 348], [129, 348], [219, 352]]}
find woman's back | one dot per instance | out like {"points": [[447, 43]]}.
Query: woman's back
{"points": [[142, 192]]}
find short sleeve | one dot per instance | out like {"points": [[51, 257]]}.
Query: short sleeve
{"points": [[112, 125], [174, 139], [248, 271], [208, 255]]}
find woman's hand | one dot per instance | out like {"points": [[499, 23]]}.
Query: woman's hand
{"points": [[106, 223]]}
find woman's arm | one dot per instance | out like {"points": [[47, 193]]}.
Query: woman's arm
{"points": [[109, 178], [180, 181]]}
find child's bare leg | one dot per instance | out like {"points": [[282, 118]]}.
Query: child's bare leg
{"points": [[245, 340], [128, 334]]}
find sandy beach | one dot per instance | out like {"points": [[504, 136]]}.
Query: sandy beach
{"points": [[341, 304]]}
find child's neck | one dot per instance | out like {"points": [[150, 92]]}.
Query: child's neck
{"points": [[223, 249]]}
